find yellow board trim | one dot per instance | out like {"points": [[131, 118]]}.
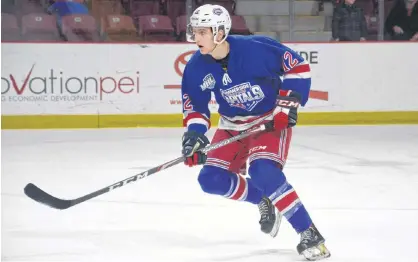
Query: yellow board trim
{"points": [[175, 120]]}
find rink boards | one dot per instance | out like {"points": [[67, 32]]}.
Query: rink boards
{"points": [[137, 85]]}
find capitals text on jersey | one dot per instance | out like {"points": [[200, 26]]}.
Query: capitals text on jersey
{"points": [[243, 96]]}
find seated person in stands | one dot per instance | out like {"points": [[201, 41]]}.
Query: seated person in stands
{"points": [[348, 22], [63, 8], [402, 21]]}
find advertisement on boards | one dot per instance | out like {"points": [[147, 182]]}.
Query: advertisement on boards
{"points": [[146, 78], [67, 79], [56, 86]]}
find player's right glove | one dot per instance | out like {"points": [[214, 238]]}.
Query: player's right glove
{"points": [[286, 112], [192, 142]]}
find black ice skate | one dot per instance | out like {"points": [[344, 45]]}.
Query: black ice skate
{"points": [[270, 219], [312, 245]]}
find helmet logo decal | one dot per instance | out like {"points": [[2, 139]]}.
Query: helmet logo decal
{"points": [[217, 11]]}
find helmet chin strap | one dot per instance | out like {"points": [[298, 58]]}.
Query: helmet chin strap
{"points": [[216, 45]]}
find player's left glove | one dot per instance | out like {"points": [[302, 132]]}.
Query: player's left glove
{"points": [[192, 143], [286, 112]]}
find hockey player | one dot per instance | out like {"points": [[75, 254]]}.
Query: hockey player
{"points": [[244, 73]]}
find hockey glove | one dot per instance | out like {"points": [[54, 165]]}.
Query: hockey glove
{"points": [[286, 112], [192, 142]]}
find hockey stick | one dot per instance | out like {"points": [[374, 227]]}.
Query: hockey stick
{"points": [[42, 197]]}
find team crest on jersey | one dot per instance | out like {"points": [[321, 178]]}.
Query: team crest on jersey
{"points": [[244, 96], [208, 82]]}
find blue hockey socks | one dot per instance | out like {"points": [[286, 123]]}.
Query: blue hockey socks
{"points": [[270, 179], [218, 181]]}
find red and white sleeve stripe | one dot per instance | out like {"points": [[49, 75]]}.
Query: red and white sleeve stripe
{"points": [[195, 118], [301, 71]]}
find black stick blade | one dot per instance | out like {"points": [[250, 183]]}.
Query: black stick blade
{"points": [[42, 197]]}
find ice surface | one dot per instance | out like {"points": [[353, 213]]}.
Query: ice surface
{"points": [[359, 183]]}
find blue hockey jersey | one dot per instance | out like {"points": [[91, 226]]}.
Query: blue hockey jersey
{"points": [[258, 67]]}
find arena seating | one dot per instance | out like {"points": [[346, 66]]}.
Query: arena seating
{"points": [[165, 20], [156, 28], [10, 30], [39, 27], [77, 28], [118, 28]]}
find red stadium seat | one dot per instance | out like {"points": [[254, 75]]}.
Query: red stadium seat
{"points": [[239, 26], [80, 28], [101, 8], [181, 27], [366, 5], [176, 8], [144, 7], [40, 27], [9, 28], [372, 23], [119, 28], [370, 14], [156, 28]]}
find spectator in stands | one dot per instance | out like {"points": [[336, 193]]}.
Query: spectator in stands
{"points": [[348, 22], [69, 7], [402, 21]]}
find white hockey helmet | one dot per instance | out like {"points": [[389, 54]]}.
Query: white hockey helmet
{"points": [[213, 16]]}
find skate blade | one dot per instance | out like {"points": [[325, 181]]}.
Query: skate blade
{"points": [[275, 230], [316, 253]]}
